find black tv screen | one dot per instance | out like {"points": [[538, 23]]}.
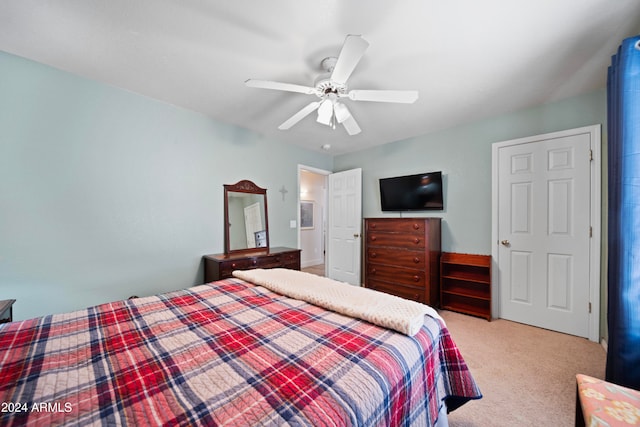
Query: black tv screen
{"points": [[420, 192]]}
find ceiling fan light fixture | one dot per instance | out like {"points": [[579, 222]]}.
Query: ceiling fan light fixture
{"points": [[341, 112], [325, 112]]}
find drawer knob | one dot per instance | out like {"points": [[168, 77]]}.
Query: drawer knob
{"points": [[373, 271], [373, 254], [373, 225], [416, 278], [416, 226], [254, 262], [416, 260], [416, 240], [233, 264], [374, 238]]}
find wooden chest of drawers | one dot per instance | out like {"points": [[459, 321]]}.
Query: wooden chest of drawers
{"points": [[402, 257], [220, 266]]}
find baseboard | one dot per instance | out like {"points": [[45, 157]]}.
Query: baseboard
{"points": [[604, 344]]}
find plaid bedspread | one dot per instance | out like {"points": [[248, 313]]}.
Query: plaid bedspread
{"points": [[226, 353]]}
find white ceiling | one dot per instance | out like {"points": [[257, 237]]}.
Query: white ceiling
{"points": [[468, 59]]}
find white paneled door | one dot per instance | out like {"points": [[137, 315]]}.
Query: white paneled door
{"points": [[544, 231], [345, 226]]}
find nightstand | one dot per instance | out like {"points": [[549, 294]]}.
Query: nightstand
{"points": [[6, 310]]}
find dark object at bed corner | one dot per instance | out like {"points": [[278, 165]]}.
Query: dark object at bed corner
{"points": [[6, 310]]}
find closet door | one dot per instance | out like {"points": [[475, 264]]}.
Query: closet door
{"points": [[544, 231]]}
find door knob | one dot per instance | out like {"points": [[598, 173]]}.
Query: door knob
{"points": [[505, 242]]}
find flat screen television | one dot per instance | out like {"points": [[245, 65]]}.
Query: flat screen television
{"points": [[419, 192]]}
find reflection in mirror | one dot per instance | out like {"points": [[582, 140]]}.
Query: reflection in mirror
{"points": [[246, 220], [246, 225]]}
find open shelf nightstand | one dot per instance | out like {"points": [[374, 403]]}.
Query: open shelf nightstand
{"points": [[466, 283]]}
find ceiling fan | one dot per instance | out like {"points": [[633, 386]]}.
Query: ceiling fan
{"points": [[332, 87]]}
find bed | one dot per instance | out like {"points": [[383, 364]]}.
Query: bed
{"points": [[233, 353]]}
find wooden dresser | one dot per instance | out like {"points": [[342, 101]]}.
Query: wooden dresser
{"points": [[402, 257], [220, 266]]}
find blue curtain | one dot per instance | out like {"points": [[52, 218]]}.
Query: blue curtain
{"points": [[623, 115]]}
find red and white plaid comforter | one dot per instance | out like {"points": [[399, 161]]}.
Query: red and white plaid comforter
{"points": [[226, 353]]}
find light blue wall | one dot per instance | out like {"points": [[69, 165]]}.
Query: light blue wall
{"points": [[106, 194], [463, 154]]}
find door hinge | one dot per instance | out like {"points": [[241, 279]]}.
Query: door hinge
{"points": [[590, 155], [590, 231], [589, 308]]}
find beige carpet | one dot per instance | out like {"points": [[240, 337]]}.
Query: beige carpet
{"points": [[315, 269], [526, 374]]}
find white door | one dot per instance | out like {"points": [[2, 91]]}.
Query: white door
{"points": [[344, 226], [544, 231]]}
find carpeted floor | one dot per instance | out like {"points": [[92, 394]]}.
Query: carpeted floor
{"points": [[315, 269], [526, 374]]}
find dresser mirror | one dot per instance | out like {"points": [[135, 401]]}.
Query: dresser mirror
{"points": [[246, 228]]}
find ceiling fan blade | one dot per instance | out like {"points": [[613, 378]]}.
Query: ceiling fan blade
{"points": [[351, 53], [400, 96], [289, 87], [351, 126], [310, 108]]}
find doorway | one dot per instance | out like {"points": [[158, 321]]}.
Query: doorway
{"points": [[330, 222], [312, 218], [546, 230]]}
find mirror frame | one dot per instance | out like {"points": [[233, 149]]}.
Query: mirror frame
{"points": [[244, 186]]}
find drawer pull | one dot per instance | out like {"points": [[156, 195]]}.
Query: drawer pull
{"points": [[373, 225], [254, 262], [416, 278], [416, 260], [416, 240], [234, 265], [416, 226], [373, 254], [374, 238], [373, 271]]}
